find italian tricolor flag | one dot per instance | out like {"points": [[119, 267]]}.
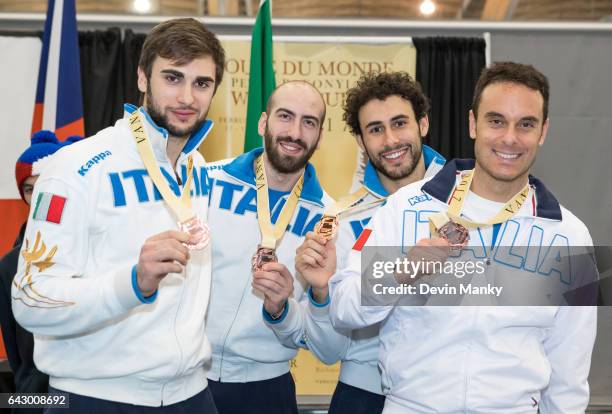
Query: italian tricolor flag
{"points": [[49, 207]]}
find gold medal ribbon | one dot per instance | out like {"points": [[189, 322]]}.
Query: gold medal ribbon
{"points": [[271, 233], [458, 197], [350, 203], [180, 206]]}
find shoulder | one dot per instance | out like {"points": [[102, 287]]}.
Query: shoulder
{"points": [[580, 232], [410, 195], [216, 168], [77, 159]]}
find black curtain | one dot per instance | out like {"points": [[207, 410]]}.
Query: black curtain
{"points": [[108, 75], [447, 68], [130, 53]]}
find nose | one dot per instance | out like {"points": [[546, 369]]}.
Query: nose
{"points": [[294, 129], [510, 136], [185, 96], [391, 137]]}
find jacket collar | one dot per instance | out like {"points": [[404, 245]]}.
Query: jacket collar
{"points": [[159, 136], [241, 168], [441, 186], [433, 161]]}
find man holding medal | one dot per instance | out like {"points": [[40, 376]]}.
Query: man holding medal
{"points": [[262, 204], [114, 274], [387, 114], [478, 358]]}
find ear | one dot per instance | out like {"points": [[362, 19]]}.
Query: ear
{"points": [[261, 125], [142, 80], [544, 132], [424, 125], [472, 125]]}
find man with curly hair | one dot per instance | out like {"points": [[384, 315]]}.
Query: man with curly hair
{"points": [[387, 114]]}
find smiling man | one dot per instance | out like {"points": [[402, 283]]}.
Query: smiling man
{"points": [[262, 204], [387, 114], [114, 290], [485, 359]]}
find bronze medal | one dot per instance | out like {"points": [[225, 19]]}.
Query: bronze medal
{"points": [[327, 226], [198, 231], [262, 256], [455, 234]]}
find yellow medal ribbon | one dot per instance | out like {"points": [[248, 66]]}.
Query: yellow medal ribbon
{"points": [[455, 204], [180, 206], [270, 234], [350, 203]]}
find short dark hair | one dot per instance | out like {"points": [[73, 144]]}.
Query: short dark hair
{"points": [[381, 86], [181, 41], [511, 72]]}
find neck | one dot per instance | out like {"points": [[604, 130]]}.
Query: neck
{"points": [[492, 189], [392, 185], [280, 181], [174, 147]]}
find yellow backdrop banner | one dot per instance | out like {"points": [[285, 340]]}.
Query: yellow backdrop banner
{"points": [[330, 67]]}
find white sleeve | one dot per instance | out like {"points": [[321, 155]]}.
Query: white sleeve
{"points": [[306, 324], [569, 346], [51, 294], [345, 286]]}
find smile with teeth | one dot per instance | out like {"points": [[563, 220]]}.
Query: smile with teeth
{"points": [[507, 155], [290, 147], [392, 155]]}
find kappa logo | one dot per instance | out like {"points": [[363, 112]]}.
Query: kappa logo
{"points": [[95, 160], [418, 199]]}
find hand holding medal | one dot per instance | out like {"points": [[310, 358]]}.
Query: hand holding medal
{"points": [[262, 256], [200, 234], [315, 259]]}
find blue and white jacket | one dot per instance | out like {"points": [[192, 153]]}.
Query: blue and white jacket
{"points": [[76, 291], [244, 348], [359, 351], [473, 359]]}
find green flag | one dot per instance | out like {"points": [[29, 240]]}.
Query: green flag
{"points": [[261, 76]]}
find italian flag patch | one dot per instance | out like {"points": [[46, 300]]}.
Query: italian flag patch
{"points": [[49, 207]]}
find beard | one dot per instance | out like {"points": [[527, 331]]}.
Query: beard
{"points": [[414, 156], [160, 118], [283, 163]]}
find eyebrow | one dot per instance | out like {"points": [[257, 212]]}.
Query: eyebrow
{"points": [[498, 115], [173, 72], [182, 75], [395, 118], [290, 112]]}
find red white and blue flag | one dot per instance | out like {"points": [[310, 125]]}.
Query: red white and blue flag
{"points": [[59, 101]]}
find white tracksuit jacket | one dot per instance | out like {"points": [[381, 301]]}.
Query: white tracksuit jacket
{"points": [[244, 348], [95, 334], [359, 353], [473, 359]]}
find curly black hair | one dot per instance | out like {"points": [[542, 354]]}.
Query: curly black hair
{"points": [[381, 86]]}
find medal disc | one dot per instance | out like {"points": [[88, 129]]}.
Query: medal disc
{"points": [[327, 226], [261, 257], [455, 234], [199, 233]]}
